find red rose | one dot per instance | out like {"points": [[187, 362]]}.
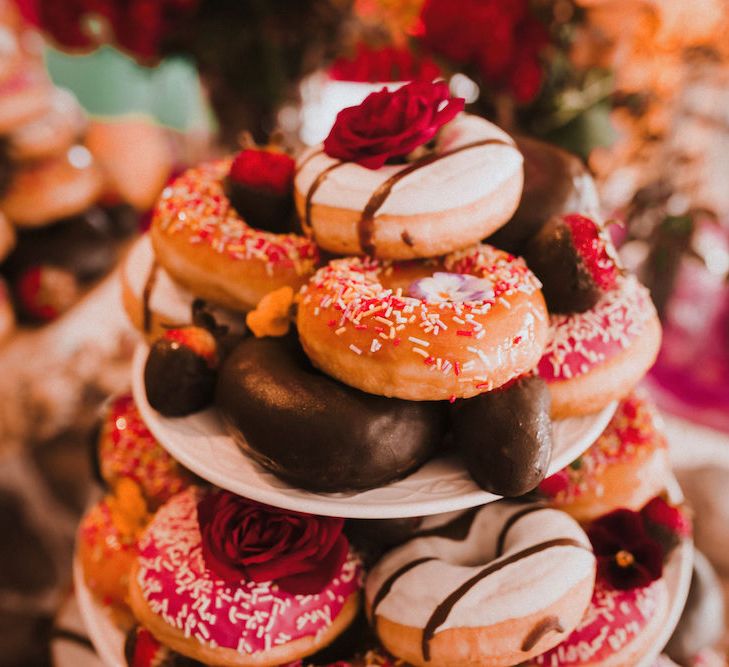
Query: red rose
{"points": [[500, 39], [245, 540], [391, 124], [627, 556]]}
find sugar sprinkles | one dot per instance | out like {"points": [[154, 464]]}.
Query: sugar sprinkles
{"points": [[248, 618], [196, 204]]}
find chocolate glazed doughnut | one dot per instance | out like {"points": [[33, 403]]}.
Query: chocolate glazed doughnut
{"points": [[555, 182], [315, 432]]}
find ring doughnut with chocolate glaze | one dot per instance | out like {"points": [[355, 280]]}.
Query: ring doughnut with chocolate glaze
{"points": [[598, 356], [154, 302], [467, 188], [205, 246], [495, 585], [315, 432], [435, 330], [239, 624], [555, 182]]}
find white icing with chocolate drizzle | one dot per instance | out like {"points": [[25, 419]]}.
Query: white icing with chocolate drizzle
{"points": [[518, 589], [460, 180]]}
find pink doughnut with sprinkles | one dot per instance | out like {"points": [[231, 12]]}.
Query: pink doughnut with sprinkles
{"points": [[127, 449], [618, 628], [202, 242], [187, 607], [625, 467], [437, 329], [598, 356]]}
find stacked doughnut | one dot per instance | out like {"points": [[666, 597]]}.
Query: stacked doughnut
{"points": [[54, 239]]}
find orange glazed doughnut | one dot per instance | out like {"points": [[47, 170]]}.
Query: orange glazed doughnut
{"points": [[442, 329], [625, 467], [202, 242]]}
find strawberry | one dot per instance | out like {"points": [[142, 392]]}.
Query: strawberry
{"points": [[199, 340], [181, 371], [260, 187], [44, 293], [575, 260]]}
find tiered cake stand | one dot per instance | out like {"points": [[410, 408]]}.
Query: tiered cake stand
{"points": [[443, 485]]}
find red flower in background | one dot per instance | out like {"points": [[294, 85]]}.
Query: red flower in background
{"points": [[502, 40], [137, 26], [388, 63]]}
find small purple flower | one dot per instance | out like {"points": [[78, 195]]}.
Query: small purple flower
{"points": [[452, 288]]}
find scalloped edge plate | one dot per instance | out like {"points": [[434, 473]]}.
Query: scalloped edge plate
{"points": [[200, 443], [108, 639]]}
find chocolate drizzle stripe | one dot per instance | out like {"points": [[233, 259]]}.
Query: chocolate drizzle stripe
{"points": [[390, 581], [71, 636], [457, 529], [509, 524], [366, 224], [546, 625], [308, 159], [147, 297], [441, 612], [312, 191]]}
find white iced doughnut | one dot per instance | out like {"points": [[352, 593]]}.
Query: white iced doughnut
{"points": [[449, 199], [495, 585]]}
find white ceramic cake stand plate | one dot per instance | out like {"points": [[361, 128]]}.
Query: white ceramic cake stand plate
{"points": [[200, 443], [107, 638]]}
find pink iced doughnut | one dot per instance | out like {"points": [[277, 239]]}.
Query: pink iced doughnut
{"points": [[618, 628], [598, 356], [188, 609]]}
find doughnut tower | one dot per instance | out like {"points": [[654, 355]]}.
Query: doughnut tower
{"points": [[400, 373]]}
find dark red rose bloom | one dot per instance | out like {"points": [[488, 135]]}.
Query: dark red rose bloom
{"points": [[627, 556], [388, 63], [391, 124], [137, 26], [245, 540], [666, 523], [501, 39], [267, 170]]}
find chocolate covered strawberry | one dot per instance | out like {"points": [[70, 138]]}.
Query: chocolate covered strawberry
{"points": [[575, 260], [260, 188], [181, 370], [43, 293]]}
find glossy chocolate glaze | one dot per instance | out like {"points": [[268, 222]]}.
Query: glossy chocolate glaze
{"points": [[178, 381], [262, 209], [315, 432], [84, 245], [567, 285], [702, 622], [552, 183], [505, 436]]}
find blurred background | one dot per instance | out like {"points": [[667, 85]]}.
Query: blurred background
{"points": [[112, 98]]}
